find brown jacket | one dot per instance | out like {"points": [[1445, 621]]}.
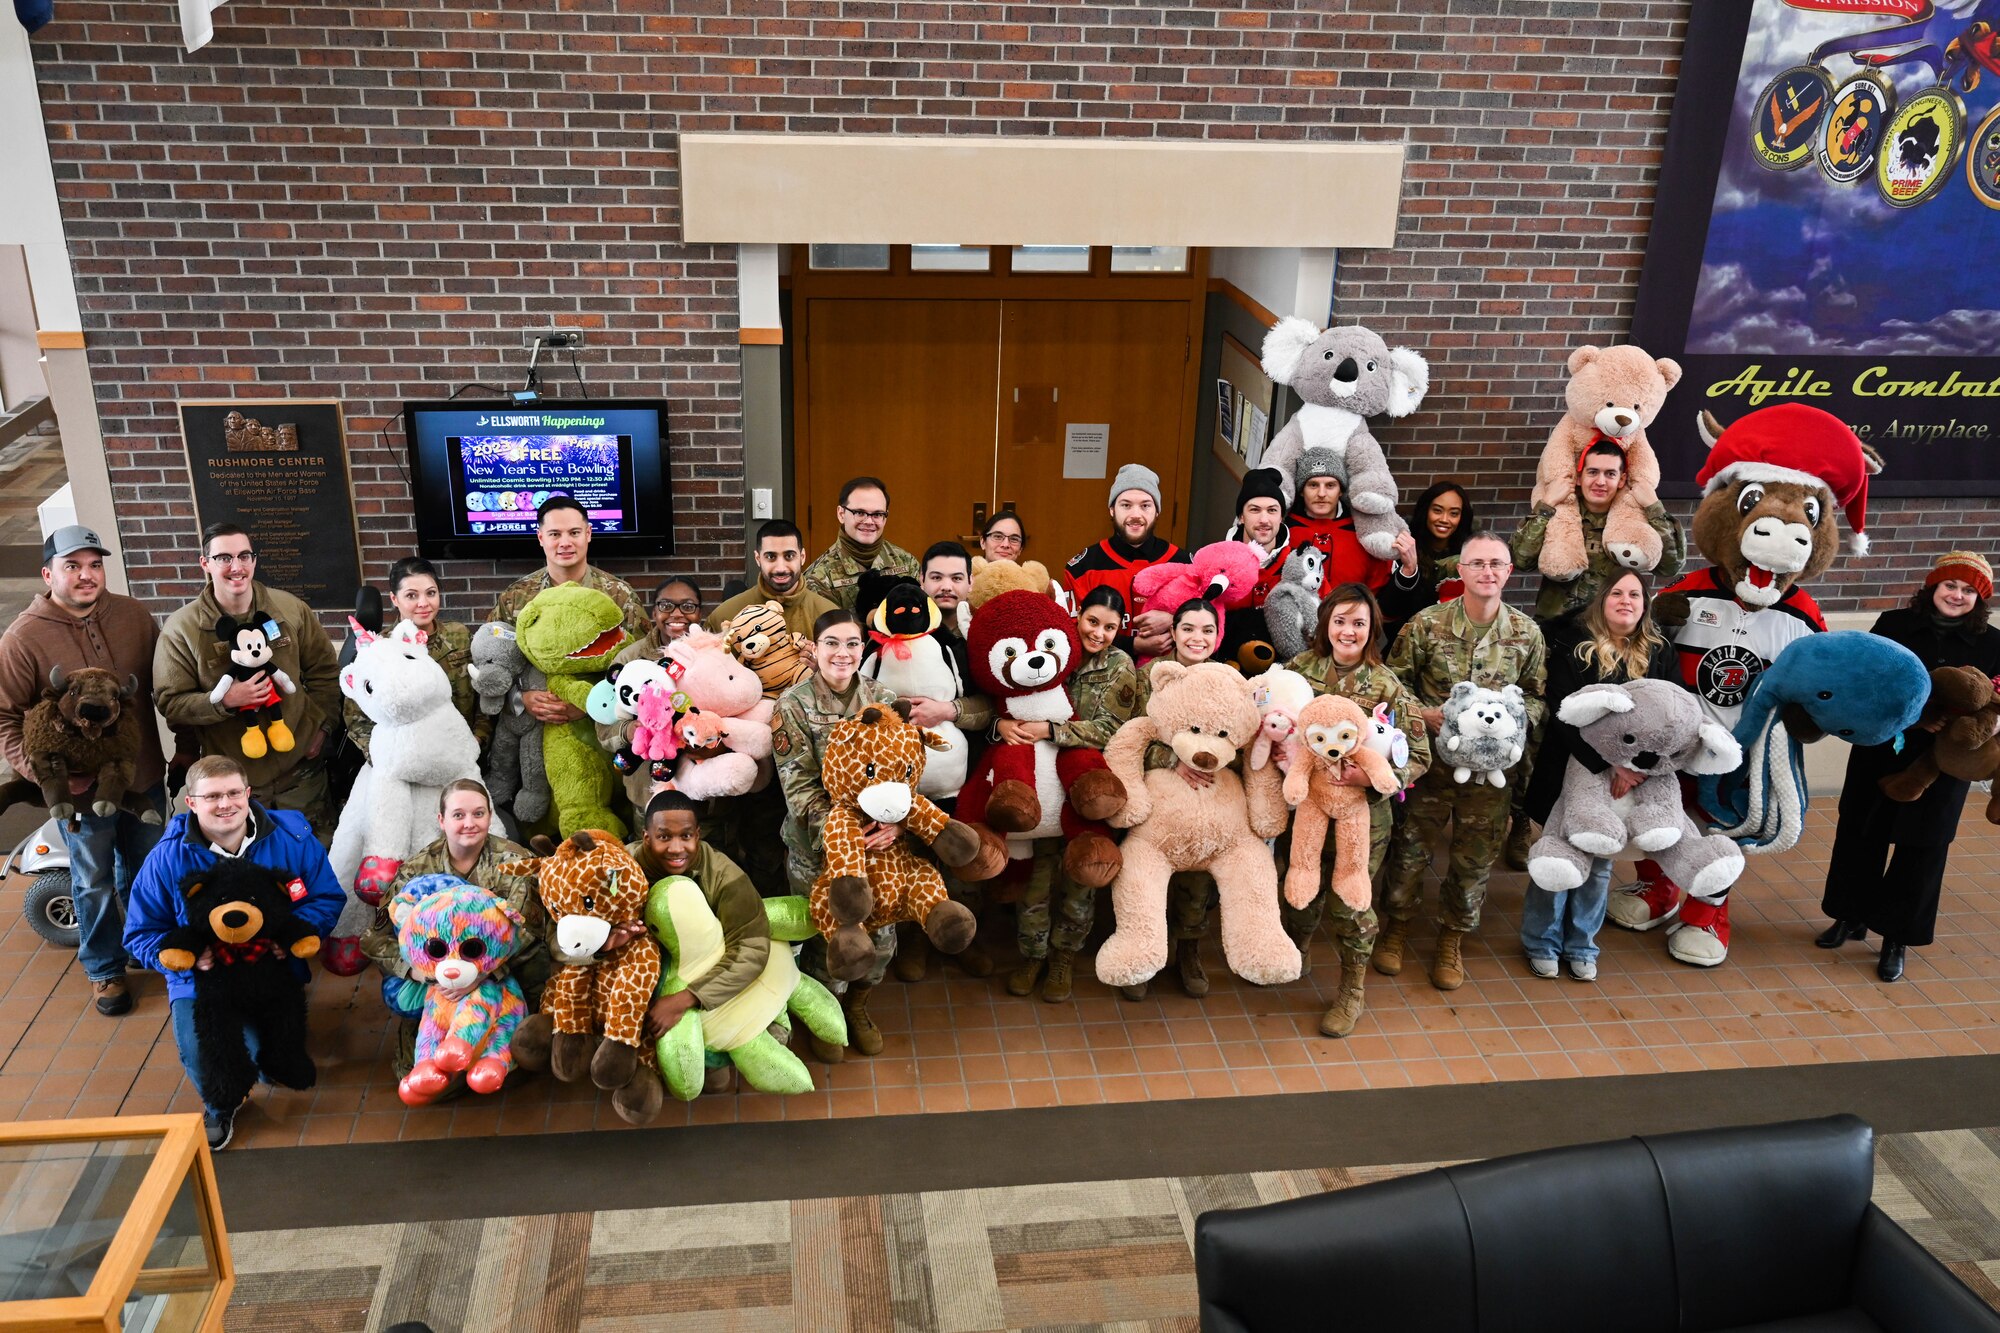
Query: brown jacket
{"points": [[117, 635], [190, 659]]}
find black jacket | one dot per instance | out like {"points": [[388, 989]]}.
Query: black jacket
{"points": [[1566, 676]]}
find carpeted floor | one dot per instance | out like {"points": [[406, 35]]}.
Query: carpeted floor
{"points": [[1113, 1254]]}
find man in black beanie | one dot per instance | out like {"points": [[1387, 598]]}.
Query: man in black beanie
{"points": [[1260, 525]]}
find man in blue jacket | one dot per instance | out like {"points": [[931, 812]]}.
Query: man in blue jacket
{"points": [[222, 820]]}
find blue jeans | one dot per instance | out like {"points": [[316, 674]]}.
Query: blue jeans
{"points": [[1565, 924], [184, 1041], [105, 853]]}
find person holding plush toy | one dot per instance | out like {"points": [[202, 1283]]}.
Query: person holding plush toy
{"points": [[1260, 525], [1440, 518], [1886, 872], [413, 589], [1600, 482], [1132, 546], [1320, 517]]}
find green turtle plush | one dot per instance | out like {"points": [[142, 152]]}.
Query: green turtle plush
{"points": [[739, 1031], [572, 633]]}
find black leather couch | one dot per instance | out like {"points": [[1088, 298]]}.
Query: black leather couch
{"points": [[1767, 1230]]}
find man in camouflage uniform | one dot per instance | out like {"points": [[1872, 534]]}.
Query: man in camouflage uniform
{"points": [[864, 517], [1475, 638], [563, 530], [1600, 478]]}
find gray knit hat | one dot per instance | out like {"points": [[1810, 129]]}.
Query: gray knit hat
{"points": [[1319, 461], [1135, 477]]}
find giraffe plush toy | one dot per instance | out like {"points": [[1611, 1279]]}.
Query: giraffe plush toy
{"points": [[594, 1007], [870, 766]]}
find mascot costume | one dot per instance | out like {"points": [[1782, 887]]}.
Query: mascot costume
{"points": [[1771, 487]]}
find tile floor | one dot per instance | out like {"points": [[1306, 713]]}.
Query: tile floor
{"points": [[956, 1044]]}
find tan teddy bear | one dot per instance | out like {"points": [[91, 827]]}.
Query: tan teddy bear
{"points": [[1613, 394]]}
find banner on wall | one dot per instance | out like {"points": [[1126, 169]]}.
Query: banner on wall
{"points": [[1828, 209]]}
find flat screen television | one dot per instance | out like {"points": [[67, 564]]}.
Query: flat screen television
{"points": [[480, 469]]}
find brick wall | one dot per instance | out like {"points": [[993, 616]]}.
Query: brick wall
{"points": [[370, 201]]}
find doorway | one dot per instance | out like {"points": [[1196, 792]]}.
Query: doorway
{"points": [[977, 379]]}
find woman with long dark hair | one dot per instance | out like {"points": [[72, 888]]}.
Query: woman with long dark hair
{"points": [[1439, 518]]}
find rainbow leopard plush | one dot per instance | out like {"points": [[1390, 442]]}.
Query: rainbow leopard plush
{"points": [[758, 637], [455, 936]]}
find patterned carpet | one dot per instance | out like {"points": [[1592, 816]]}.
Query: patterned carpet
{"points": [[1113, 1255]]}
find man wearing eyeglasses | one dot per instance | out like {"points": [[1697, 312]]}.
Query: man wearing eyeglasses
{"points": [[1480, 639], [192, 659], [78, 622], [861, 546]]}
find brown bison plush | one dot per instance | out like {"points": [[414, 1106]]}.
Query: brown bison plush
{"points": [[1967, 748], [82, 738]]}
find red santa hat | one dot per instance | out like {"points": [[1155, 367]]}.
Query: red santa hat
{"points": [[1797, 443]]}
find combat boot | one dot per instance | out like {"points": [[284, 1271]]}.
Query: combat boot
{"points": [[1348, 1004], [1304, 940], [1390, 945], [913, 952], [1136, 991], [975, 961], [1055, 989], [1448, 971], [863, 1037], [1022, 980], [1187, 957], [1520, 837]]}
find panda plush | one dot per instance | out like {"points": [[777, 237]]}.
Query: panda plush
{"points": [[246, 646]]}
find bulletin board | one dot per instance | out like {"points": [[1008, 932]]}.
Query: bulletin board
{"points": [[1242, 409]]}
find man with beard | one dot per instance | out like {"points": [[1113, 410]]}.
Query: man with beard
{"points": [[1131, 547], [779, 553]]}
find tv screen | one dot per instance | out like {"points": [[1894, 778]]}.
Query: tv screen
{"points": [[480, 470]]}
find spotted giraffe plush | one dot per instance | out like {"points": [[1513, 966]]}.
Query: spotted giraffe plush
{"points": [[594, 1007], [870, 767]]}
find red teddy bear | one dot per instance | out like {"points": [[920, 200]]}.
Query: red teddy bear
{"points": [[1023, 650]]}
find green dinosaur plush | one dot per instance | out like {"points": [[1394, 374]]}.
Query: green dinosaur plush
{"points": [[740, 1030], [572, 633]]}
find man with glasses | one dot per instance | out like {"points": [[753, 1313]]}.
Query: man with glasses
{"points": [[76, 623], [191, 660], [563, 530], [864, 517], [222, 820], [1475, 638], [779, 552]]}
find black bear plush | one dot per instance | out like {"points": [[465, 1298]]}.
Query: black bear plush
{"points": [[240, 913]]}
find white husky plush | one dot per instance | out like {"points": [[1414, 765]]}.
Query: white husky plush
{"points": [[420, 744], [1484, 732]]}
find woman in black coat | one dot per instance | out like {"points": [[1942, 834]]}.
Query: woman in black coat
{"points": [[1440, 519], [1888, 856]]}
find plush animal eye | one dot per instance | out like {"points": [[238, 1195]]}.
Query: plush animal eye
{"points": [[868, 770], [1749, 499], [909, 770], [589, 903], [437, 948], [472, 950], [368, 686], [1812, 511], [1326, 356], [1371, 364], [1610, 404], [1222, 735], [1629, 739], [1195, 730], [1826, 694]]}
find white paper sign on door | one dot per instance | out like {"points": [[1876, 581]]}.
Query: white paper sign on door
{"points": [[1085, 448]]}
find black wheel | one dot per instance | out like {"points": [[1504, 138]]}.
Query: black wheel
{"points": [[51, 909]]}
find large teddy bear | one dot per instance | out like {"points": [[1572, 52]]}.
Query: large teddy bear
{"points": [[1224, 574], [1613, 394], [515, 774], [1653, 728], [420, 745], [1205, 714], [573, 633], [1335, 733], [1345, 375]]}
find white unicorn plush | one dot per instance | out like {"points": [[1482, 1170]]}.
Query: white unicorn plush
{"points": [[420, 744]]}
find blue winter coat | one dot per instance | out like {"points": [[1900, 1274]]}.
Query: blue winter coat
{"points": [[284, 842]]}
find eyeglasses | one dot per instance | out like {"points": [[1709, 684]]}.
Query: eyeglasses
{"points": [[1482, 566], [227, 558], [213, 797], [689, 609], [878, 515], [1005, 538]]}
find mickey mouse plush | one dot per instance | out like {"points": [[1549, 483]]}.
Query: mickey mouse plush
{"points": [[248, 645]]}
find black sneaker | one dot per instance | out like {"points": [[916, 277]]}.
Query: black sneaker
{"points": [[221, 1127]]}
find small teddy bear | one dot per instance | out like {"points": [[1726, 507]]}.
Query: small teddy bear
{"points": [[1291, 610], [1484, 732]]}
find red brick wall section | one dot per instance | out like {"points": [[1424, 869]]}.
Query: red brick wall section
{"points": [[369, 202]]}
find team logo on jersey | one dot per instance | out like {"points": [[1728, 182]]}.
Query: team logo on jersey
{"points": [[1725, 673], [1787, 117], [1920, 147], [1852, 134], [1982, 160], [1707, 616]]}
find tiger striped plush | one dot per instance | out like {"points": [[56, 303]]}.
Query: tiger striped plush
{"points": [[758, 638]]}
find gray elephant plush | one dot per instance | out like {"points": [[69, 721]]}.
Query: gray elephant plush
{"points": [[1344, 376], [1291, 611], [1657, 729], [1484, 733], [515, 775]]}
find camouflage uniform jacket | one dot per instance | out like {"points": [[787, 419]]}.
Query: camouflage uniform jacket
{"points": [[836, 575], [1441, 647], [523, 591], [1108, 692], [1556, 598], [530, 963], [450, 645], [1368, 684], [805, 713]]}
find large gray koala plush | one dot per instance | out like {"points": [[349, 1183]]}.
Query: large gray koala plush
{"points": [[1345, 375], [516, 777], [1291, 610], [1484, 732], [1652, 727]]}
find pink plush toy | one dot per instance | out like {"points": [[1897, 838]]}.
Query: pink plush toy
{"points": [[1223, 572], [653, 736], [715, 682], [1279, 694]]}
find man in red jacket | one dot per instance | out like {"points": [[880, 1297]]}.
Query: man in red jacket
{"points": [[1135, 508]]}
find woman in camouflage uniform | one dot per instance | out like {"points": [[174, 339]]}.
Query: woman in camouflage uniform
{"points": [[806, 712], [1346, 659], [413, 586], [468, 849], [1107, 692]]}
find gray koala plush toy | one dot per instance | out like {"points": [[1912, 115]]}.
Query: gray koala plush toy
{"points": [[1345, 375], [1654, 728], [1484, 732], [1291, 611], [515, 774]]}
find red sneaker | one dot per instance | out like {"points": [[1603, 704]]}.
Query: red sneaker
{"points": [[1644, 905], [1701, 936]]}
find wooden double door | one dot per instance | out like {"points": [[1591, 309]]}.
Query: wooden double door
{"points": [[965, 407]]}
